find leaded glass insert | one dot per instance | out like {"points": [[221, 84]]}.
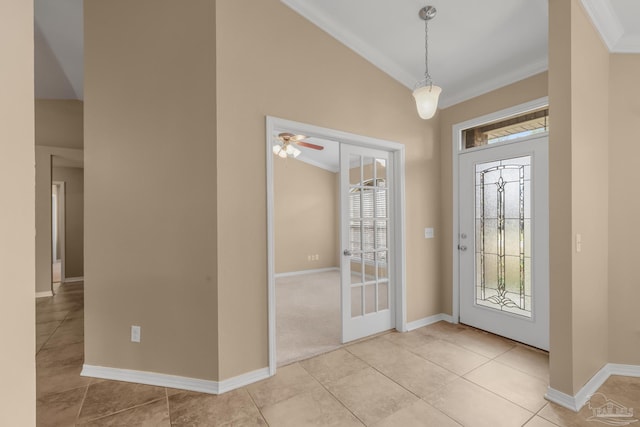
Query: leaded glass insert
{"points": [[503, 235]]}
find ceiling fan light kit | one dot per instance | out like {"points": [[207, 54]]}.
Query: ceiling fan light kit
{"points": [[425, 93], [285, 148]]}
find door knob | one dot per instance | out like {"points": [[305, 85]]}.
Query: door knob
{"points": [[462, 247], [347, 252]]}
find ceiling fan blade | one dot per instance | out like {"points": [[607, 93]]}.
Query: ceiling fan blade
{"points": [[309, 145]]}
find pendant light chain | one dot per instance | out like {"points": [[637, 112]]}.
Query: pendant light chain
{"points": [[427, 76]]}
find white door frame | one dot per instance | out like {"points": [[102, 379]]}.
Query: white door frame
{"points": [[275, 125], [456, 149], [62, 224]]}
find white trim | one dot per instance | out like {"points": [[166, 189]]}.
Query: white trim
{"points": [[624, 370], [429, 321], [399, 202], [606, 21], [456, 142], [575, 403], [44, 294], [303, 272], [243, 380], [359, 46], [628, 44], [275, 125], [174, 381], [73, 279], [497, 82], [62, 226]]}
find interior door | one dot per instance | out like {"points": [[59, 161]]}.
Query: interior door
{"points": [[504, 240], [366, 230]]}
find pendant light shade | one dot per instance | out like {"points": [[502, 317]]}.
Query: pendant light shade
{"points": [[427, 100], [425, 93]]}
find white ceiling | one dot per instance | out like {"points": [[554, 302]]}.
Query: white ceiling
{"points": [[474, 46], [59, 70]]}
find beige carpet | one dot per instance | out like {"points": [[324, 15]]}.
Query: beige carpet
{"points": [[307, 315]]}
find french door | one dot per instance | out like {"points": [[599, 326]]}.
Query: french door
{"points": [[366, 236], [504, 240]]}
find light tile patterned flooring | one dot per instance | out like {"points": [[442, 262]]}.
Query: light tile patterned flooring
{"points": [[440, 375]]}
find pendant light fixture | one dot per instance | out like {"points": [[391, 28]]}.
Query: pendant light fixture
{"points": [[425, 93]]}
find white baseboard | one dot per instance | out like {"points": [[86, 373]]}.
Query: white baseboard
{"points": [[44, 294], [73, 279], [299, 273], [243, 380], [575, 403], [429, 320], [174, 381]]}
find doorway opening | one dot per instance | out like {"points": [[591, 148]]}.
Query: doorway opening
{"points": [[307, 241], [343, 261]]}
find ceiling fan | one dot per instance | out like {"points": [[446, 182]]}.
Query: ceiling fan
{"points": [[286, 146]]}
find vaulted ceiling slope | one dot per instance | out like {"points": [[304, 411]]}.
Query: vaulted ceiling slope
{"points": [[474, 46]]}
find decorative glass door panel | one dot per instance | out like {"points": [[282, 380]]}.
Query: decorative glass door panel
{"points": [[503, 230], [366, 236], [504, 240]]}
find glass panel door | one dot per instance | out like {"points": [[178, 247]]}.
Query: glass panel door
{"points": [[503, 241], [366, 220]]}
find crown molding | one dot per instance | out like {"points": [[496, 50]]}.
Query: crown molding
{"points": [[628, 44], [497, 82], [347, 38], [605, 20]]}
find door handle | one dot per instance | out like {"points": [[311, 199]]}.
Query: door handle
{"points": [[462, 248], [347, 252]]}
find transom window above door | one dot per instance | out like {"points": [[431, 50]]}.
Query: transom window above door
{"points": [[506, 129]]}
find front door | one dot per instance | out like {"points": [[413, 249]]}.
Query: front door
{"points": [[366, 230], [504, 240]]}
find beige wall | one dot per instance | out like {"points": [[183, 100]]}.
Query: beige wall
{"points": [[517, 93], [578, 175], [624, 292], [336, 89], [560, 193], [17, 251], [305, 216], [150, 180], [590, 212], [59, 123], [74, 218]]}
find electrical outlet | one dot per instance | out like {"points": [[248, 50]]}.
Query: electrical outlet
{"points": [[429, 233], [135, 333]]}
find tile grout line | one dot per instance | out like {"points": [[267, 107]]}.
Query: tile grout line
{"points": [[166, 396], [82, 403], [123, 410], [333, 395], [246, 388]]}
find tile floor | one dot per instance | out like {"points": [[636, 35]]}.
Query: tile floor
{"points": [[440, 375]]}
